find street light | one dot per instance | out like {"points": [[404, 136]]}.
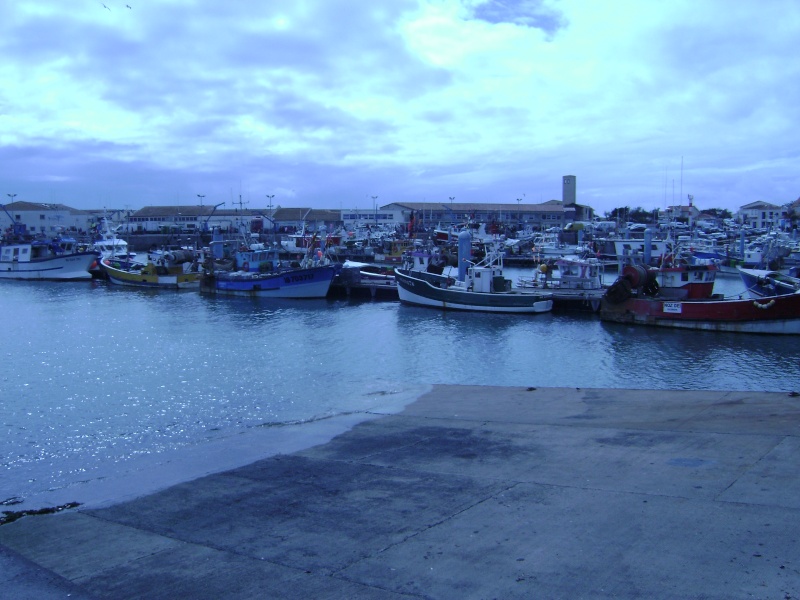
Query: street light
{"points": [[201, 196], [452, 216], [375, 208], [12, 196], [270, 197]]}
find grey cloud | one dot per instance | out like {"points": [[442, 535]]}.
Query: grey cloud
{"points": [[527, 13]]}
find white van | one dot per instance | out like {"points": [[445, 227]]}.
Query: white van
{"points": [[605, 226]]}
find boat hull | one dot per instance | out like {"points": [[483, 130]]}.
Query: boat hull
{"points": [[156, 278], [71, 267], [419, 291], [761, 283], [313, 282], [775, 315]]}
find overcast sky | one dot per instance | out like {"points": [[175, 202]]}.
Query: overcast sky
{"points": [[327, 103]]}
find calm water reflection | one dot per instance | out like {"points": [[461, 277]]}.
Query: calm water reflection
{"points": [[95, 374]]}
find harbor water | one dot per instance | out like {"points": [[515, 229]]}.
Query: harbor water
{"points": [[95, 377]]}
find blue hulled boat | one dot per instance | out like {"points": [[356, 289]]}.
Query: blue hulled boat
{"points": [[761, 283], [254, 269]]}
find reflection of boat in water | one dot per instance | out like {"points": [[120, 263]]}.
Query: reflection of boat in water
{"points": [[636, 298], [478, 287]]}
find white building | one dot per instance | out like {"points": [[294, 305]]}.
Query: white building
{"points": [[48, 219], [762, 215]]}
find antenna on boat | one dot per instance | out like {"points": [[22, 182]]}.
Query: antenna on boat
{"points": [[241, 203]]}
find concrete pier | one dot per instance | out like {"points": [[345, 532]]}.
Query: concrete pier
{"points": [[470, 492]]}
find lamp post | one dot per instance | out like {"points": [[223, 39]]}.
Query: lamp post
{"points": [[375, 208], [12, 196], [452, 216]]}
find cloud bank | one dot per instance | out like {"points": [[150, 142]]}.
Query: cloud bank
{"points": [[328, 103]]}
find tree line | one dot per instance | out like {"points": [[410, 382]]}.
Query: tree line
{"points": [[640, 215]]}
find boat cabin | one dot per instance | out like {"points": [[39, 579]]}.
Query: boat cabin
{"points": [[488, 279], [38, 249], [582, 274]]}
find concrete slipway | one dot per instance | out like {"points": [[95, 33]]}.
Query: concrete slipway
{"points": [[470, 492]]}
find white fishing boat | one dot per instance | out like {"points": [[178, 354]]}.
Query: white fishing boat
{"points": [[23, 256], [548, 245], [576, 282], [480, 287], [109, 246]]}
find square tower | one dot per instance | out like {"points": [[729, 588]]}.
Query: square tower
{"points": [[568, 191]]}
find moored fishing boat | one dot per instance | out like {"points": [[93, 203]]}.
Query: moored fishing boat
{"points": [[578, 285], [478, 287], [24, 257], [635, 298], [109, 245], [259, 271], [181, 274], [41, 259], [774, 315], [312, 282]]}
